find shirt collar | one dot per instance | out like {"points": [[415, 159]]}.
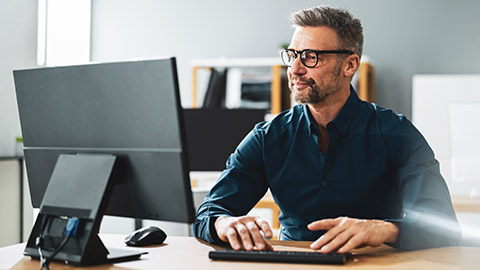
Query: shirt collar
{"points": [[343, 119], [310, 122]]}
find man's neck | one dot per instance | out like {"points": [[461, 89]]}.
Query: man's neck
{"points": [[324, 112]]}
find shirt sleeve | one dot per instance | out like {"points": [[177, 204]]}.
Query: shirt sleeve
{"points": [[240, 186], [428, 219]]}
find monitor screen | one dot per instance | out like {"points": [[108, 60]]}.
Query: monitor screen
{"points": [[130, 110]]}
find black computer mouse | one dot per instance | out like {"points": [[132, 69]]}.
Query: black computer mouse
{"points": [[146, 236]]}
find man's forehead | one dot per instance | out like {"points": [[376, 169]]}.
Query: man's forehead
{"points": [[313, 37]]}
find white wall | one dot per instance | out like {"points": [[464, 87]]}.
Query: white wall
{"points": [[18, 39], [18, 26]]}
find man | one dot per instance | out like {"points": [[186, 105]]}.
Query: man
{"points": [[345, 173]]}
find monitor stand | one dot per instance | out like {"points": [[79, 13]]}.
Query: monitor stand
{"points": [[80, 187]]}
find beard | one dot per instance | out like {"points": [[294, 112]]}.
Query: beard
{"points": [[319, 91]]}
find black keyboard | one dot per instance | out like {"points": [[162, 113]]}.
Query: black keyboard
{"points": [[278, 256]]}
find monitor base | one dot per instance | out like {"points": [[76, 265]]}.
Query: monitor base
{"points": [[114, 256]]}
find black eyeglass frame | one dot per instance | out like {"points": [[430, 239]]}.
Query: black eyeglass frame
{"points": [[317, 52]]}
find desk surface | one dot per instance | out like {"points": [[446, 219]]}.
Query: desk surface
{"points": [[190, 253]]}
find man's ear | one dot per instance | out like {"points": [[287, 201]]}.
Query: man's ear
{"points": [[352, 64]]}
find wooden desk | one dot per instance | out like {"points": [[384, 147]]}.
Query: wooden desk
{"points": [[190, 253]]}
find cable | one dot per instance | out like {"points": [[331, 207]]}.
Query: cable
{"points": [[40, 241], [47, 260], [70, 230]]}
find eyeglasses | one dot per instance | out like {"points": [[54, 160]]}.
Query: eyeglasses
{"points": [[310, 58]]}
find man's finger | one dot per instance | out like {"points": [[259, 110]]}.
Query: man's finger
{"points": [[257, 238], [232, 238], [354, 242], [324, 224], [244, 235], [327, 237], [337, 242], [244, 232], [265, 227], [268, 246]]}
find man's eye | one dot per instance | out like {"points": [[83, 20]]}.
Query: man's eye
{"points": [[310, 57]]}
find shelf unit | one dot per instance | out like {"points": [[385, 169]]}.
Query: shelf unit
{"points": [[274, 63], [366, 82]]}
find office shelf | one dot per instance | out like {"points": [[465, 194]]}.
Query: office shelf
{"points": [[275, 64]]}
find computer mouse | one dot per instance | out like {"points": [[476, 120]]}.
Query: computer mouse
{"points": [[146, 236]]}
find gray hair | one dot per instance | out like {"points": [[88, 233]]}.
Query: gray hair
{"points": [[349, 29]]}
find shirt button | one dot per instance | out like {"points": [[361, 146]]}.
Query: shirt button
{"points": [[324, 183]]}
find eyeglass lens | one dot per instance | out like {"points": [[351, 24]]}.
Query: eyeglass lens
{"points": [[309, 58]]}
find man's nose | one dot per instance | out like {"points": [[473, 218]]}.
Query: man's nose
{"points": [[297, 67]]}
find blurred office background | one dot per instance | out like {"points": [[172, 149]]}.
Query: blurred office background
{"points": [[402, 39]]}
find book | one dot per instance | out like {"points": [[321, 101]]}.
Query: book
{"points": [[215, 94]]}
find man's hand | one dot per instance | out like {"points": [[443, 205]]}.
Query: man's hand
{"points": [[244, 232], [345, 234]]}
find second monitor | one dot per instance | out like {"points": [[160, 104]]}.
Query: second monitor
{"points": [[213, 134]]}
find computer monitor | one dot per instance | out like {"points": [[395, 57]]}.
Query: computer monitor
{"points": [[217, 132], [85, 114]]}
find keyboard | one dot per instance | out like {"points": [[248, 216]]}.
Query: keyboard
{"points": [[279, 256]]}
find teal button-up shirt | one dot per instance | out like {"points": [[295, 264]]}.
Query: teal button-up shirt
{"points": [[377, 166]]}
